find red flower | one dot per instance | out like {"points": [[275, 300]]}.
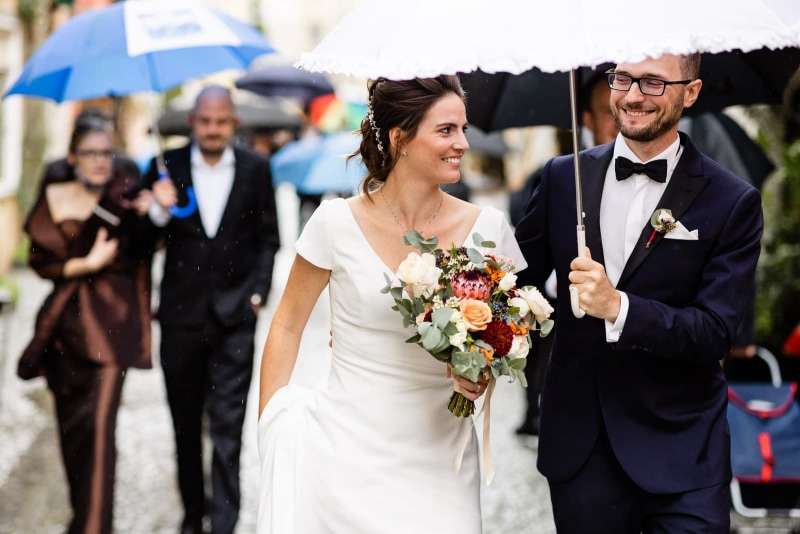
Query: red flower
{"points": [[472, 285], [499, 336]]}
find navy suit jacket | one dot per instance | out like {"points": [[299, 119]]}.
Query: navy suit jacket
{"points": [[659, 391], [207, 278]]}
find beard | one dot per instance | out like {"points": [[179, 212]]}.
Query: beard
{"points": [[664, 123], [212, 146]]}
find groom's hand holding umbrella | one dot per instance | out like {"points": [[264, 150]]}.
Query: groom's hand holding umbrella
{"points": [[596, 295]]}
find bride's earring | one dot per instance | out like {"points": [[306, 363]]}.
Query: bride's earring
{"points": [[405, 152]]}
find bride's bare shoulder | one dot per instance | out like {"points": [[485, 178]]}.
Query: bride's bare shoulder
{"points": [[463, 208], [361, 204]]}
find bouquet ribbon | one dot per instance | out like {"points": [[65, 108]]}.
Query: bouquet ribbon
{"points": [[488, 465]]}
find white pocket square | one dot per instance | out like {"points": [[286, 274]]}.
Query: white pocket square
{"points": [[680, 232]]}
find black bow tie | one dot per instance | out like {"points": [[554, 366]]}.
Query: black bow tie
{"points": [[656, 170]]}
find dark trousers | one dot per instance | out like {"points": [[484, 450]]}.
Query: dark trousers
{"points": [[86, 399], [208, 370], [601, 499]]}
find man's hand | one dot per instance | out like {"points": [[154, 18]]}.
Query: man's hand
{"points": [[165, 193], [596, 295]]}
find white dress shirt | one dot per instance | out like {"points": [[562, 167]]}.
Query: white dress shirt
{"points": [[212, 187], [625, 208]]}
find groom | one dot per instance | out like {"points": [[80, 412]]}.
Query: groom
{"points": [[633, 434]]}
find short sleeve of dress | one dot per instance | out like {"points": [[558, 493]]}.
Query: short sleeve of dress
{"points": [[314, 243], [503, 237]]}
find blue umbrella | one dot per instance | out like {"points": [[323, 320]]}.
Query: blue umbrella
{"points": [[317, 165], [285, 80], [131, 47]]}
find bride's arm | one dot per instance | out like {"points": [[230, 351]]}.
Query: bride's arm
{"points": [[305, 284]]}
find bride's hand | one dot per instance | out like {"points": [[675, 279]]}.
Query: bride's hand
{"points": [[468, 388]]}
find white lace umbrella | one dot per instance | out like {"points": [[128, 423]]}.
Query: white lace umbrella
{"points": [[419, 38], [424, 38]]}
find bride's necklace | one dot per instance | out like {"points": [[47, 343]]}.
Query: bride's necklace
{"points": [[396, 218]]}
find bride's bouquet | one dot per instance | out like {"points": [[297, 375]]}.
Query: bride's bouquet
{"points": [[467, 311]]}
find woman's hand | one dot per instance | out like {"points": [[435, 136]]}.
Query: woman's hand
{"points": [[103, 251], [102, 254], [468, 388]]}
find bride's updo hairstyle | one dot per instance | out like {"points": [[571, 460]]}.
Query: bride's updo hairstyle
{"points": [[396, 104]]}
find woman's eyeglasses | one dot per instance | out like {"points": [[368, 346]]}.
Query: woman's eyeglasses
{"points": [[95, 154]]}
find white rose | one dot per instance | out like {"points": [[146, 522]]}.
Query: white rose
{"points": [[508, 281], [421, 273], [519, 347], [529, 300], [458, 339]]}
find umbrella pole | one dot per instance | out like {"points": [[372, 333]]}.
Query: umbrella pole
{"points": [[179, 212], [581, 229], [162, 167]]}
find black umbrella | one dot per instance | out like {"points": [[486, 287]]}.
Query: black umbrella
{"points": [[287, 81], [502, 100], [489, 144], [534, 98], [268, 115]]}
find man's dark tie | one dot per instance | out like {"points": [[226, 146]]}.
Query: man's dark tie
{"points": [[656, 170]]}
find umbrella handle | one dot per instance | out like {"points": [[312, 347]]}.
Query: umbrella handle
{"points": [[179, 212], [573, 291]]}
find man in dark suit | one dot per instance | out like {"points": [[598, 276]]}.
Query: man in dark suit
{"points": [[633, 431], [217, 274]]}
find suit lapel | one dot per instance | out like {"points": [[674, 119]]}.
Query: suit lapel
{"points": [[236, 193], [679, 195], [593, 171]]}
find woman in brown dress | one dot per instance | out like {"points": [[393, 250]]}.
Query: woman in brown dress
{"points": [[87, 236]]}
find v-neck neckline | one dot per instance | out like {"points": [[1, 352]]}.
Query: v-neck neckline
{"points": [[372, 249]]}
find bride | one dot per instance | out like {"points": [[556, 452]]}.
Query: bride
{"points": [[372, 449]]}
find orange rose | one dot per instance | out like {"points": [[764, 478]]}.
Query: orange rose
{"points": [[476, 313]]}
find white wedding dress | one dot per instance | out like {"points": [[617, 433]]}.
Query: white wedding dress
{"points": [[372, 449]]}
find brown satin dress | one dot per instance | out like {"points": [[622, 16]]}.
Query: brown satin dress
{"points": [[89, 330]]}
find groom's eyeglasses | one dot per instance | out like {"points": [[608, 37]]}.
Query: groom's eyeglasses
{"points": [[648, 86]]}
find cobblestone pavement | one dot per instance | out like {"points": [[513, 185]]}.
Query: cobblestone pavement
{"points": [[33, 495]]}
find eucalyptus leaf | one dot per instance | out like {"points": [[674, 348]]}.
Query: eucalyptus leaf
{"points": [[546, 327], [493, 264], [475, 256], [468, 364], [517, 364], [450, 330], [504, 368], [388, 286], [522, 379], [443, 356], [414, 239], [433, 340], [479, 241], [441, 317]]}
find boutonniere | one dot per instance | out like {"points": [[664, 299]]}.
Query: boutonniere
{"points": [[662, 222]]}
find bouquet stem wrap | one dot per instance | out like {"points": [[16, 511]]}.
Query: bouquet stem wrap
{"points": [[460, 406]]}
